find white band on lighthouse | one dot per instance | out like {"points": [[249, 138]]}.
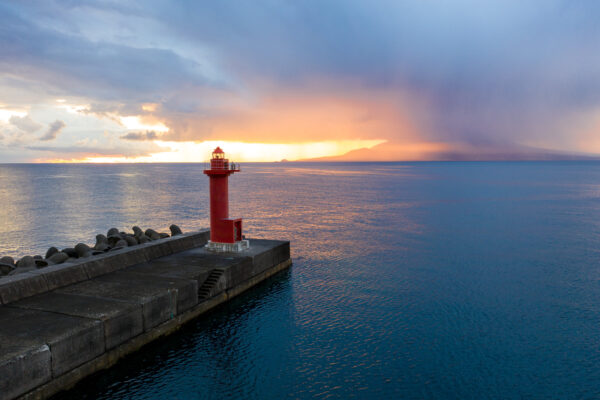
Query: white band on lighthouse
{"points": [[236, 247]]}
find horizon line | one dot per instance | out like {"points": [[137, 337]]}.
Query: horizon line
{"points": [[309, 161]]}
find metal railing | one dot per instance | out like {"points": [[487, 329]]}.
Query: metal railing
{"points": [[228, 166]]}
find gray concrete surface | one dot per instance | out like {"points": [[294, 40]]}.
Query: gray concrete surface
{"points": [[56, 329], [122, 320]]}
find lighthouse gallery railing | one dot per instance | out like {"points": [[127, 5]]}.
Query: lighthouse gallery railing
{"points": [[223, 166]]}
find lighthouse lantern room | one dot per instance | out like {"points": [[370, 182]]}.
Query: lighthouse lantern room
{"points": [[225, 232]]}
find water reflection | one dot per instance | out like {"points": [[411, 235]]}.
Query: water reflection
{"points": [[17, 212], [60, 205]]}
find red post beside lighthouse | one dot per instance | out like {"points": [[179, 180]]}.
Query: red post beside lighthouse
{"points": [[225, 233]]}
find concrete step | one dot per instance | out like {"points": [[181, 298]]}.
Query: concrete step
{"points": [[208, 287]]}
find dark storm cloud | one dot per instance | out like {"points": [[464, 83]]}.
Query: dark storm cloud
{"points": [[490, 71]]}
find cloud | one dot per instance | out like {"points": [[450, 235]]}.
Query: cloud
{"points": [[148, 135], [70, 63], [78, 152], [503, 74], [53, 130], [503, 71], [317, 112], [25, 124]]}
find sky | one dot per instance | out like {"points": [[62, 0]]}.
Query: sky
{"points": [[388, 80]]}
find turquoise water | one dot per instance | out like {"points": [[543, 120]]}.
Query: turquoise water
{"points": [[417, 280]]}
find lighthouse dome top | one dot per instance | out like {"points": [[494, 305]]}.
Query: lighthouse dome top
{"points": [[218, 153]]}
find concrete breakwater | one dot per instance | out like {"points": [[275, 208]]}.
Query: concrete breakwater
{"points": [[63, 322]]}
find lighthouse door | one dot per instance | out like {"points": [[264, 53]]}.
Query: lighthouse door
{"points": [[237, 230]]}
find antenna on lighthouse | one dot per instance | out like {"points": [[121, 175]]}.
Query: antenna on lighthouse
{"points": [[225, 232]]}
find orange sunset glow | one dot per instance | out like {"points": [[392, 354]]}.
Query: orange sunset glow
{"points": [[238, 151], [309, 124]]}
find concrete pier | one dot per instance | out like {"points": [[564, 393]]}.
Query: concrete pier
{"points": [[62, 323]]}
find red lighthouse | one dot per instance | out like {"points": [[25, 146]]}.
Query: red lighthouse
{"points": [[225, 232]]}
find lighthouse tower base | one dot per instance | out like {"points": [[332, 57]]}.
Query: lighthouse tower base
{"points": [[236, 247]]}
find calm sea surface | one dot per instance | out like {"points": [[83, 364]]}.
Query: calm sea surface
{"points": [[422, 280]]}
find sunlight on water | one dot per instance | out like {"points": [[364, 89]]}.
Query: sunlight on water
{"points": [[425, 280]]}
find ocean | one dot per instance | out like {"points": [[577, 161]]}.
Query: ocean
{"points": [[410, 280]]}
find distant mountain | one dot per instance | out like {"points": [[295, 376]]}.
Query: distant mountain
{"points": [[455, 152]]}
